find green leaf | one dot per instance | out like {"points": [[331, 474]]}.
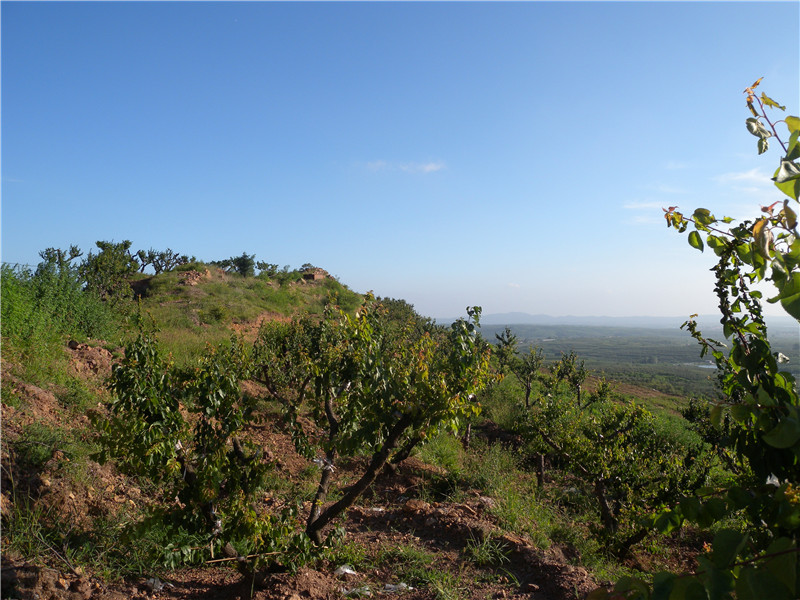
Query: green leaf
{"points": [[740, 498], [727, 546], [744, 252], [758, 583], [762, 237], [793, 146], [631, 584], [703, 216], [789, 293], [687, 588], [695, 591], [791, 304], [663, 584], [741, 412], [790, 187], [695, 241], [770, 102], [785, 434], [668, 521], [787, 171], [763, 145], [719, 583], [690, 507], [757, 128], [793, 123], [728, 330], [717, 244], [790, 215], [715, 416], [745, 586], [712, 511], [783, 565]]}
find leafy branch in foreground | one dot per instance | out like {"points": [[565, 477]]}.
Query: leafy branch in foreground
{"points": [[760, 403]]}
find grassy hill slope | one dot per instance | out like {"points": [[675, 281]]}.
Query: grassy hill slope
{"points": [[198, 304], [451, 522]]}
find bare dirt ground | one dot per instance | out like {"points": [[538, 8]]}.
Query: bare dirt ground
{"points": [[390, 516]]}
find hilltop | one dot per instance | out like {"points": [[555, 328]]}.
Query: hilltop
{"points": [[197, 304]]}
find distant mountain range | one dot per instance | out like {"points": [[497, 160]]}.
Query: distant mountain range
{"points": [[705, 321]]}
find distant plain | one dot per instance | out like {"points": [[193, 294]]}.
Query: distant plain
{"points": [[662, 357]]}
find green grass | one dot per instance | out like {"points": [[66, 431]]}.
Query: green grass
{"points": [[190, 317], [444, 450], [445, 585], [43, 536], [409, 562], [486, 552]]}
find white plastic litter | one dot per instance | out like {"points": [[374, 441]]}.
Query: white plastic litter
{"points": [[400, 587], [358, 592], [154, 584], [345, 570]]}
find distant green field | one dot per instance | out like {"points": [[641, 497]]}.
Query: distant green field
{"points": [[667, 360]]}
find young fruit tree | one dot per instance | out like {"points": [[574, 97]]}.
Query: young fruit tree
{"points": [[183, 429], [370, 389]]}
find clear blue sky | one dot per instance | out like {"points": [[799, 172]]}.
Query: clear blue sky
{"points": [[514, 155]]}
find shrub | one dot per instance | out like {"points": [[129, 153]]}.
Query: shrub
{"points": [[181, 428], [371, 392], [39, 307]]}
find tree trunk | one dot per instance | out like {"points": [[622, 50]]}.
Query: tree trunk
{"points": [[624, 547], [540, 470], [314, 528], [609, 521], [322, 492]]}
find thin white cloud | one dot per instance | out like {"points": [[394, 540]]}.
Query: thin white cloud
{"points": [[667, 189], [755, 185], [674, 165], [430, 167], [646, 219], [409, 167], [513, 285], [376, 165], [753, 176]]}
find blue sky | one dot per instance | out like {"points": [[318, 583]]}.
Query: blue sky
{"points": [[510, 155]]}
